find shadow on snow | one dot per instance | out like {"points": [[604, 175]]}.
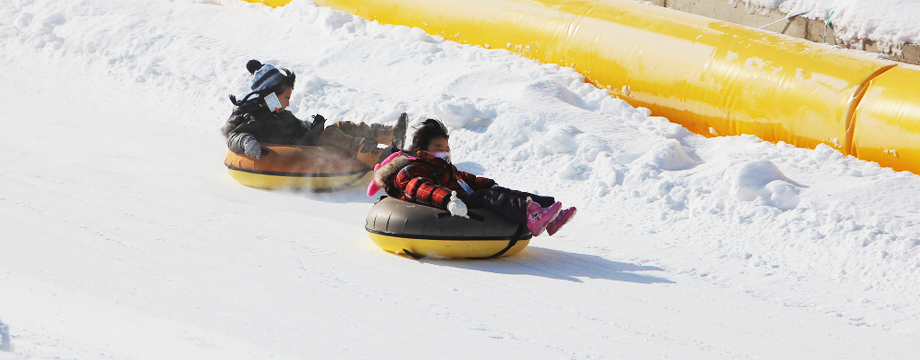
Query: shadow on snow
{"points": [[556, 264]]}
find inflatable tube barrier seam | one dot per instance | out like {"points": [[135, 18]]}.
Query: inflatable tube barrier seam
{"points": [[853, 104]]}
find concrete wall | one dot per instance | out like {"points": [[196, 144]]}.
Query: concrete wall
{"points": [[797, 26]]}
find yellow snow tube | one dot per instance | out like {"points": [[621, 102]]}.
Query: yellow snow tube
{"points": [[313, 168], [415, 230], [713, 77]]}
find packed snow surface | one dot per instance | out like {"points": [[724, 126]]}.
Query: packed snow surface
{"points": [[123, 237]]}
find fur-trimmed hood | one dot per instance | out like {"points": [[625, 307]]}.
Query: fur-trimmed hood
{"points": [[388, 169]]}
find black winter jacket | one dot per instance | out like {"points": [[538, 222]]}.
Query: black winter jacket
{"points": [[269, 128]]}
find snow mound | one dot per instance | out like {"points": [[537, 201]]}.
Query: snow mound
{"points": [[668, 155], [455, 112], [763, 181], [558, 140]]}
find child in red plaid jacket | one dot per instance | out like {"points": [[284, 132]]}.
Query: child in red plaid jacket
{"points": [[429, 178]]}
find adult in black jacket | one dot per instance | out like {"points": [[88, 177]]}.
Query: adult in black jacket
{"points": [[261, 118]]}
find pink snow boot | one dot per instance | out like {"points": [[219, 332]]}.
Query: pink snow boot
{"points": [[538, 217], [564, 217]]}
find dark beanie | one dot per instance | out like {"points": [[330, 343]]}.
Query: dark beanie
{"points": [[264, 77]]}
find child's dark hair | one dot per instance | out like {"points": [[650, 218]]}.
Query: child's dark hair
{"points": [[424, 133]]}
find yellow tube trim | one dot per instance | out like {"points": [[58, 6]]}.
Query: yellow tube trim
{"points": [[447, 248], [318, 184]]}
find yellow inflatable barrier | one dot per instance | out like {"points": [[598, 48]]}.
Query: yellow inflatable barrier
{"points": [[713, 77], [272, 3], [887, 120]]}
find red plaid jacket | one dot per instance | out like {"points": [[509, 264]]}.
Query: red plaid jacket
{"points": [[429, 180]]}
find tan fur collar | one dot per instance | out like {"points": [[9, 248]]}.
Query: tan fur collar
{"points": [[383, 174]]}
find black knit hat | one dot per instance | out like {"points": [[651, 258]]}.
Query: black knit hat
{"points": [[264, 77]]}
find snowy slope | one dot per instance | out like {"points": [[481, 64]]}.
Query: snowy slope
{"points": [[123, 237]]}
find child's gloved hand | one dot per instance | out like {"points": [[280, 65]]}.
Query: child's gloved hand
{"points": [[252, 147], [455, 206]]}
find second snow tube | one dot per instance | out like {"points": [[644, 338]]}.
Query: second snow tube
{"points": [[417, 230], [313, 168]]}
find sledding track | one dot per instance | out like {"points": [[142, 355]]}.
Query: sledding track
{"points": [[728, 79], [125, 238]]}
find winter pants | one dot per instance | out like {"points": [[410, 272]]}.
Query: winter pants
{"points": [[509, 204], [350, 136], [382, 134]]}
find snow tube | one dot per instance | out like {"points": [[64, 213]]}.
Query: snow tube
{"points": [[313, 168], [417, 230]]}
